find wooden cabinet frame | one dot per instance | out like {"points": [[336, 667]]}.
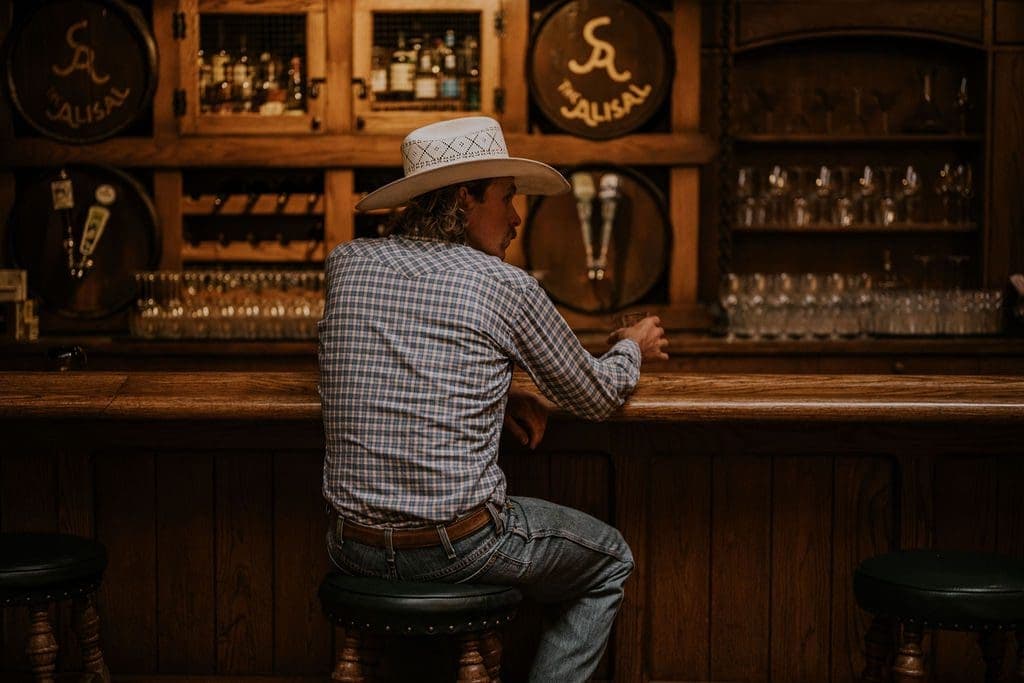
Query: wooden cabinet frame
{"points": [[401, 122], [194, 122]]}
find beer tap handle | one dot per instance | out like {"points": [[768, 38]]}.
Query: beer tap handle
{"points": [[609, 195], [583, 189]]}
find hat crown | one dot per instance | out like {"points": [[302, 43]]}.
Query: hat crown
{"points": [[451, 142]]}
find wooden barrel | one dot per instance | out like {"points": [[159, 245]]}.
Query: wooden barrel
{"points": [[129, 239], [599, 68], [81, 70], [638, 244]]}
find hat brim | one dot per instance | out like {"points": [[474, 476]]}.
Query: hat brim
{"points": [[531, 177]]}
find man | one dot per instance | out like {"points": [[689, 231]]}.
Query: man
{"points": [[418, 342]]}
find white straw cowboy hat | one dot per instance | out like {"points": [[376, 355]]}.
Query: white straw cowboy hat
{"points": [[457, 151]]}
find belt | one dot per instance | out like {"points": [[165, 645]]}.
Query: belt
{"points": [[422, 537]]}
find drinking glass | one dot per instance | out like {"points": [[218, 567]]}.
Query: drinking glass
{"points": [[869, 204], [823, 188], [843, 210]]}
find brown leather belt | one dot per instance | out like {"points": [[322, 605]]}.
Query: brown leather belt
{"points": [[422, 537]]}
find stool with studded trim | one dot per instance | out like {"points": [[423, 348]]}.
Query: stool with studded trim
{"points": [[912, 590], [37, 570], [368, 607]]}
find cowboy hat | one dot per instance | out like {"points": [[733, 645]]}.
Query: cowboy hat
{"points": [[457, 151]]}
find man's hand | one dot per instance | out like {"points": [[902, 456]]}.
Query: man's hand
{"points": [[526, 416], [648, 335]]}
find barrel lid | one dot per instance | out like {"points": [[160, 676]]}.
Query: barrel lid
{"points": [[80, 71], [599, 68], [638, 243], [128, 240]]}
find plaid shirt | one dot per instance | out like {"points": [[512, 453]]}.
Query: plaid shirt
{"points": [[417, 346]]}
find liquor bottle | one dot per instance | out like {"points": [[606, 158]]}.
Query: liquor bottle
{"points": [[220, 63], [241, 78], [425, 85], [401, 72], [378, 72], [471, 56], [295, 99], [449, 66]]}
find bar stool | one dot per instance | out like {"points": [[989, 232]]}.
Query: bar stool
{"points": [[37, 570], [378, 607], [959, 591]]}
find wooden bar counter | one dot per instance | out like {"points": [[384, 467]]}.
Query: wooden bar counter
{"points": [[748, 501]]}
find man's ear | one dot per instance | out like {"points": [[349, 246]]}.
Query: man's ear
{"points": [[465, 197]]}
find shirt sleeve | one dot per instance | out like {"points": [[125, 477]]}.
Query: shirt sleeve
{"points": [[545, 346]]}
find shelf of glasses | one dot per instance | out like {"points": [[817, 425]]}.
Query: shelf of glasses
{"points": [[856, 139], [300, 251], [861, 227], [298, 204]]}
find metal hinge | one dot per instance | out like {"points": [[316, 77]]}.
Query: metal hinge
{"points": [[179, 102], [499, 23], [499, 100], [178, 25]]}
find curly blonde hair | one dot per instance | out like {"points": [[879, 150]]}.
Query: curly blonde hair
{"points": [[436, 215]]}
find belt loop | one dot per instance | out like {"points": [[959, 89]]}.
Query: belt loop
{"points": [[389, 546], [339, 528], [449, 549], [499, 523]]}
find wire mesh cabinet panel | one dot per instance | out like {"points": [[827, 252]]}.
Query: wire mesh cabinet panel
{"points": [[251, 67]]}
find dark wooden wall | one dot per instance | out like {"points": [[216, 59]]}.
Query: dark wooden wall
{"points": [[746, 537]]}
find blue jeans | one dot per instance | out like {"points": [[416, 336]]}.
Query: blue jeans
{"points": [[555, 555]]}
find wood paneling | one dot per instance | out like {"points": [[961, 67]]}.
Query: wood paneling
{"points": [[679, 567], [245, 563], [1009, 22], [185, 552], [802, 491], [1004, 249], [759, 21], [864, 514], [740, 567], [302, 635], [125, 524]]}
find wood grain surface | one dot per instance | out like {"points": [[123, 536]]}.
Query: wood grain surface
{"points": [[658, 397]]}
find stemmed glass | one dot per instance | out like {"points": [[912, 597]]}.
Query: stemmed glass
{"points": [[887, 204], [844, 214], [749, 210], [778, 188], [868, 199], [800, 213], [945, 187], [830, 100], [886, 101], [823, 187], [965, 189], [729, 290], [911, 184]]}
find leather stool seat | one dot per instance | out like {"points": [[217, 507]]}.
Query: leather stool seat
{"points": [[37, 568], [406, 608], [949, 590], [370, 608]]}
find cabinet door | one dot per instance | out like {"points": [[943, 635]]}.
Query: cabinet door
{"points": [[397, 46], [252, 67]]}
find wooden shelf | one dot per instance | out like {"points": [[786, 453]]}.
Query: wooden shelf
{"points": [[261, 252], [846, 139], [298, 204], [861, 228]]}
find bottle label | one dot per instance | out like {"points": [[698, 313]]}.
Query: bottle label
{"points": [[426, 87], [402, 75], [379, 80]]}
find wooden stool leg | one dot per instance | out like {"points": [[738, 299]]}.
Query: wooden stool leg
{"points": [[877, 651], [471, 664], [42, 646], [349, 665], [87, 629], [490, 643], [909, 664], [993, 650]]}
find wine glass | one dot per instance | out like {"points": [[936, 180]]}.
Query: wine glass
{"points": [[887, 204], [886, 101], [844, 213], [823, 187], [868, 199], [911, 194], [800, 212]]}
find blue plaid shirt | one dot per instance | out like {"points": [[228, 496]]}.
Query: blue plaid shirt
{"points": [[417, 346]]}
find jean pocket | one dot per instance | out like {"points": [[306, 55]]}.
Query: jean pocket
{"points": [[499, 568], [355, 562]]}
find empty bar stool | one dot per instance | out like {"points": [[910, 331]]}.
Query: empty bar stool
{"points": [[919, 589], [377, 607], [37, 570]]}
